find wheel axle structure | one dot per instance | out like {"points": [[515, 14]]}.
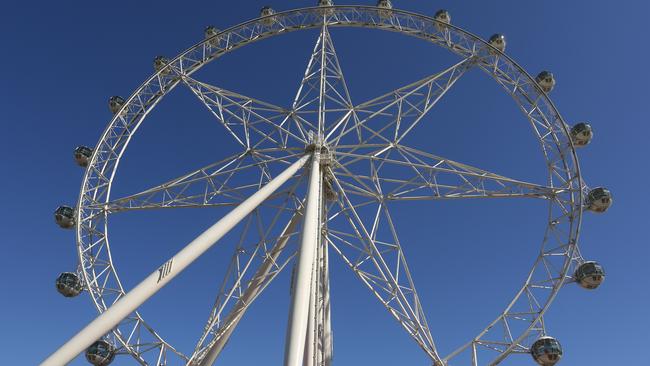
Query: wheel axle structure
{"points": [[318, 178]]}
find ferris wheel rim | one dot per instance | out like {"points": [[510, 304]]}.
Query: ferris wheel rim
{"points": [[258, 21]]}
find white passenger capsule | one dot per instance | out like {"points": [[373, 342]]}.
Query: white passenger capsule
{"points": [[69, 284], [64, 217], [82, 155], [590, 275], [599, 200], [267, 11], [160, 65], [546, 81], [100, 353], [325, 3], [385, 9], [581, 134], [211, 33], [498, 41], [546, 351], [115, 103], [442, 16]]}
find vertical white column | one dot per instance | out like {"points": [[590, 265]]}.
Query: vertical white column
{"points": [[312, 324], [308, 356], [159, 278], [474, 355], [232, 319], [318, 305], [299, 312], [327, 323]]}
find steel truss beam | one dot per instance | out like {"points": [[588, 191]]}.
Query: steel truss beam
{"points": [[389, 118], [323, 96], [217, 184], [401, 173], [238, 286], [221, 328], [248, 119], [253, 123], [163, 275], [376, 257], [300, 303]]}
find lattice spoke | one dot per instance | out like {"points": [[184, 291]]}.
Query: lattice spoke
{"points": [[224, 183], [258, 258], [392, 116], [372, 250], [323, 101], [398, 172], [252, 123]]}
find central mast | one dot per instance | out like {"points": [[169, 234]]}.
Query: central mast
{"points": [[321, 99], [299, 343]]}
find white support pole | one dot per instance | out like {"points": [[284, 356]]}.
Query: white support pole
{"points": [[159, 278], [327, 322], [232, 320], [299, 313], [323, 341], [474, 355], [318, 304], [308, 358]]}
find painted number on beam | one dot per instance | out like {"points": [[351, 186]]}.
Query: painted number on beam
{"points": [[164, 270]]}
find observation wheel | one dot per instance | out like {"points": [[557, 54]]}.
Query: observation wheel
{"points": [[314, 181]]}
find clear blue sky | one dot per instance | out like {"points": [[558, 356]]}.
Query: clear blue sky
{"points": [[62, 60]]}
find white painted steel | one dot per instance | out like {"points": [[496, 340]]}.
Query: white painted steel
{"points": [[308, 356], [365, 132], [299, 312], [250, 294], [327, 342], [310, 351], [170, 269]]}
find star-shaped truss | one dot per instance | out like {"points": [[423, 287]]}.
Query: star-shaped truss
{"points": [[366, 166]]}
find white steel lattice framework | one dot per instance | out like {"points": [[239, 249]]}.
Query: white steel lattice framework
{"points": [[302, 186]]}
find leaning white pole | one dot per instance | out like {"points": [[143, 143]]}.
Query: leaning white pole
{"points": [[299, 313], [159, 278]]}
